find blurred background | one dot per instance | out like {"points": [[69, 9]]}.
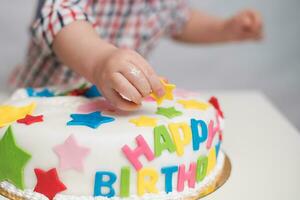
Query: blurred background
{"points": [[271, 66]]}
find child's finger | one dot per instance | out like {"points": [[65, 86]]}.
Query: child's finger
{"points": [[117, 101], [255, 18], [153, 79], [125, 88], [255, 31], [156, 84], [257, 22], [137, 78], [246, 22]]}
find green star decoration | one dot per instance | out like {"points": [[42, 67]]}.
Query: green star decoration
{"points": [[12, 160], [169, 112]]}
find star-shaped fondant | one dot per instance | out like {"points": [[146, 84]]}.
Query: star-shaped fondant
{"points": [[220, 136], [30, 91], [169, 112], [43, 93], [99, 104], [13, 159], [168, 93], [48, 183], [214, 101], [92, 120], [71, 154], [9, 114], [149, 99], [29, 119], [77, 92], [193, 104], [93, 92], [183, 93], [144, 121]]}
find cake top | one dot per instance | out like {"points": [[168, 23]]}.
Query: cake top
{"points": [[90, 119]]}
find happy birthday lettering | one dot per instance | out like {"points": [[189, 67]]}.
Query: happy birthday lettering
{"points": [[172, 139]]}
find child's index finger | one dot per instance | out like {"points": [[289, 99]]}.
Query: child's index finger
{"points": [[157, 85], [168, 92]]}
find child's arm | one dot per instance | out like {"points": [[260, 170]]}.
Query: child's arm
{"points": [[113, 70], [204, 28]]}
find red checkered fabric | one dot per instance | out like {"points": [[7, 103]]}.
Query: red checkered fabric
{"points": [[134, 24]]}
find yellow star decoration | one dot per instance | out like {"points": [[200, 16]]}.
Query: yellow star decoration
{"points": [[168, 93], [144, 121], [193, 104], [9, 114]]}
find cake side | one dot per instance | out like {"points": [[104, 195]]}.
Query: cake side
{"points": [[215, 179]]}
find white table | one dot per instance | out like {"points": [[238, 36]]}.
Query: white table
{"points": [[264, 149]]}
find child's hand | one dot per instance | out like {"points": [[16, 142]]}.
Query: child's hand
{"points": [[245, 25], [125, 77]]}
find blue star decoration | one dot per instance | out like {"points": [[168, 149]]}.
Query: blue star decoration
{"points": [[43, 93], [93, 92], [30, 91], [13, 160], [92, 120]]}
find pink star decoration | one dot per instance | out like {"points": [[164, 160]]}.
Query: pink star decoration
{"points": [[149, 99], [71, 154], [96, 105], [183, 93]]}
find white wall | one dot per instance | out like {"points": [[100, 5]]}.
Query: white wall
{"points": [[272, 66], [15, 16]]}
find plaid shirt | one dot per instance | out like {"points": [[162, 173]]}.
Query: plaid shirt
{"points": [[134, 24]]}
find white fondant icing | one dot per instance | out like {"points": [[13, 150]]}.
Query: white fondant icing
{"points": [[105, 142]]}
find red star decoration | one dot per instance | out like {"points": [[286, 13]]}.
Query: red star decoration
{"points": [[220, 136], [78, 92], [48, 183], [29, 119], [214, 101]]}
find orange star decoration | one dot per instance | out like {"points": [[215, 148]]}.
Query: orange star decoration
{"points": [[144, 121], [168, 93], [193, 104], [9, 114]]}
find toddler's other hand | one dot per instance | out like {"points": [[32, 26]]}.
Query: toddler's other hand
{"points": [[246, 25], [125, 78]]}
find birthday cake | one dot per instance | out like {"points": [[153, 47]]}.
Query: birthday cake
{"points": [[72, 144]]}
